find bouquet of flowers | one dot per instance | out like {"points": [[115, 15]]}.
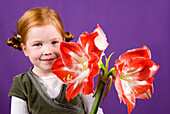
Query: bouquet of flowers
{"points": [[132, 73]]}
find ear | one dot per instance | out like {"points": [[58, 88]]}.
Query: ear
{"points": [[24, 49]]}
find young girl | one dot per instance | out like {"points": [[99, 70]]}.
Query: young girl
{"points": [[39, 91]]}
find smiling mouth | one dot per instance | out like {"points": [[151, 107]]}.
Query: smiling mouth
{"points": [[48, 60]]}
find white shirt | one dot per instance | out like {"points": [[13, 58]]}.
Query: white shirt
{"points": [[53, 86]]}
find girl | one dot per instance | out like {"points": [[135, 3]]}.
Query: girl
{"points": [[39, 91]]}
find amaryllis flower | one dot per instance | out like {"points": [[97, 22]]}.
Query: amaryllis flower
{"points": [[78, 63], [134, 72]]}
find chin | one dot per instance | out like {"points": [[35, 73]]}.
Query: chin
{"points": [[46, 68]]}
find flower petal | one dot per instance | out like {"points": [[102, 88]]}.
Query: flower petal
{"points": [[73, 89], [118, 84], [147, 94], [89, 84], [63, 73], [72, 54], [141, 52], [139, 68], [100, 40], [140, 87], [95, 42], [130, 101], [88, 87], [93, 58], [87, 42]]}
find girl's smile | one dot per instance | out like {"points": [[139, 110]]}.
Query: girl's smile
{"points": [[48, 60]]}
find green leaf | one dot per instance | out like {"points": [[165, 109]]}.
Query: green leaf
{"points": [[107, 64], [101, 66], [111, 71]]}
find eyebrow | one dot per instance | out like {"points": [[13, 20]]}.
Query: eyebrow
{"points": [[55, 38], [41, 40], [36, 41], [58, 39]]}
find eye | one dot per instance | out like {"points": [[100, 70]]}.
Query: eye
{"points": [[55, 42], [38, 44]]}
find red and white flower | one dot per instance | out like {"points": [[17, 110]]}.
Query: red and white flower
{"points": [[78, 63], [134, 72]]}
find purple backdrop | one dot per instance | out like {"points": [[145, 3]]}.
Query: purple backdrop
{"points": [[128, 24]]}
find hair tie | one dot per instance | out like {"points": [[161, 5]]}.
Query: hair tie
{"points": [[18, 36]]}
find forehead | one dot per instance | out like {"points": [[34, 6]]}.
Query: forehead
{"points": [[43, 32]]}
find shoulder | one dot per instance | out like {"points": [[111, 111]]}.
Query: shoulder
{"points": [[22, 81], [21, 77], [20, 86]]}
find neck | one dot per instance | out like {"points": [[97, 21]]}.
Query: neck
{"points": [[41, 72]]}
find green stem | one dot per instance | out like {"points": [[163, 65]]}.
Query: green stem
{"points": [[97, 98]]}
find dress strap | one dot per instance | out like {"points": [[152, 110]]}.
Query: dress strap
{"points": [[62, 94], [54, 103]]}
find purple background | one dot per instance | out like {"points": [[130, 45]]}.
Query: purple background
{"points": [[127, 24]]}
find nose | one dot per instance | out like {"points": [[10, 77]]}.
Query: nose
{"points": [[47, 50]]}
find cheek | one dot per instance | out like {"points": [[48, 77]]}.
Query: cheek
{"points": [[57, 50], [34, 54]]}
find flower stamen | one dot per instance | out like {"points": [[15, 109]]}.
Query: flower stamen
{"points": [[68, 78]]}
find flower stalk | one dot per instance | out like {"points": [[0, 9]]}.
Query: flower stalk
{"points": [[102, 81], [98, 98]]}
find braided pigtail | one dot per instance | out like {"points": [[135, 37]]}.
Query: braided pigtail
{"points": [[68, 36], [15, 41]]}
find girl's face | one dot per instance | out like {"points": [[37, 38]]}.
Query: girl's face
{"points": [[42, 47]]}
